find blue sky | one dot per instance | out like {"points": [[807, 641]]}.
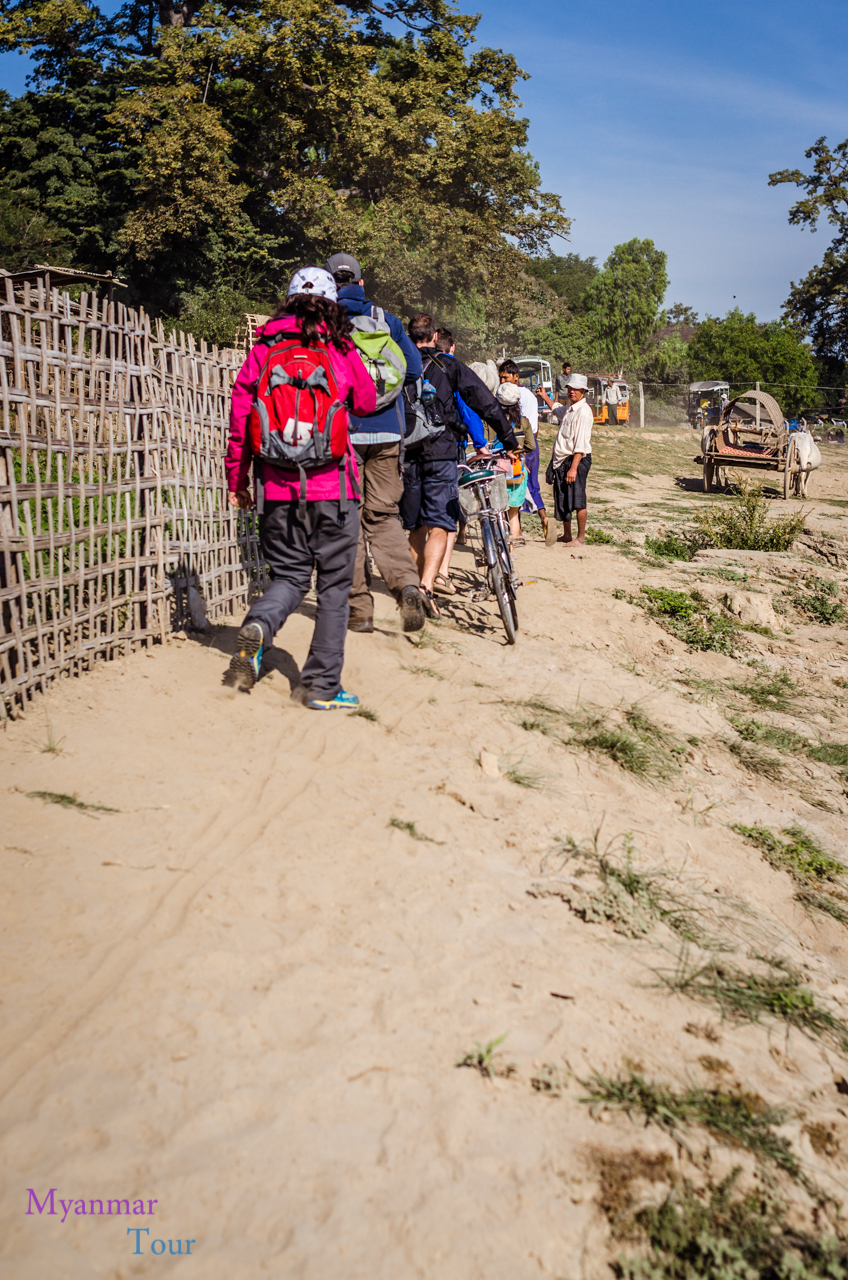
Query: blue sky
{"points": [[664, 120]]}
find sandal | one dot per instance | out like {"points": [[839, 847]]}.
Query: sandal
{"points": [[443, 586], [430, 607]]}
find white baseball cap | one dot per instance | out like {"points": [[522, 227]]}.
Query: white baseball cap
{"points": [[579, 381], [314, 280], [509, 393]]}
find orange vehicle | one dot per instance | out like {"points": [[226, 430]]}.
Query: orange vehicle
{"points": [[608, 413]]}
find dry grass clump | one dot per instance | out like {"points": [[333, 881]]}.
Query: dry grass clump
{"points": [[635, 743], [743, 524], [750, 996], [736, 1117], [632, 900]]}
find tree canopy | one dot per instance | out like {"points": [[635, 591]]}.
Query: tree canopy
{"points": [[742, 352], [198, 146], [818, 304], [624, 300], [568, 276]]}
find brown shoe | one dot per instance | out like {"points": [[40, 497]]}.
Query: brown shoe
{"points": [[361, 624], [411, 609]]}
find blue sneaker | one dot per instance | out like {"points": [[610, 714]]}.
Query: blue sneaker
{"points": [[345, 701], [243, 671]]}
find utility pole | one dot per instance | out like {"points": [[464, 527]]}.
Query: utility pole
{"points": [[641, 406]]}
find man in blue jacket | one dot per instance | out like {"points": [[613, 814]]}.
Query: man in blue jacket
{"points": [[377, 440]]}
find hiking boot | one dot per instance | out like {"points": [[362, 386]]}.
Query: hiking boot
{"points": [[361, 624], [243, 671], [411, 609], [342, 701]]}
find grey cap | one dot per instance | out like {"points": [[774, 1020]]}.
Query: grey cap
{"points": [[344, 262]]}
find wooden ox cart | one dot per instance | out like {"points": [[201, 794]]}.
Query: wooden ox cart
{"points": [[751, 432]]}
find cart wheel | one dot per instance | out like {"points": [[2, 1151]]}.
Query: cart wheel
{"points": [[709, 473], [787, 473]]}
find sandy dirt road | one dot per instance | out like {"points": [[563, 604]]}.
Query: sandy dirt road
{"points": [[242, 994]]}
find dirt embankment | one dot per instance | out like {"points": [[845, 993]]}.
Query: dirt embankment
{"points": [[240, 987]]}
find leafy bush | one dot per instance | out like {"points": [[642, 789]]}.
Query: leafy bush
{"points": [[670, 547], [743, 523], [687, 616], [597, 537], [820, 600]]}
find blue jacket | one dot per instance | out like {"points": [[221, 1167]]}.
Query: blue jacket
{"points": [[471, 420], [388, 421]]}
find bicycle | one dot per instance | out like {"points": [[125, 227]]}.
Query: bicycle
{"points": [[484, 496]]}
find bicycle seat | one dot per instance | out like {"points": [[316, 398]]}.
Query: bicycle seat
{"points": [[471, 476]]}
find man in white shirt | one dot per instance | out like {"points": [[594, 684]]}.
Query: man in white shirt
{"points": [[611, 399], [571, 460]]}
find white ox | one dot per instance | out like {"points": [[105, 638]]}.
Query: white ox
{"points": [[804, 457]]}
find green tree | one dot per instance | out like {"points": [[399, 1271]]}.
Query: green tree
{"points": [[623, 301], [818, 304], [197, 147], [742, 352], [679, 314], [564, 339], [568, 276]]}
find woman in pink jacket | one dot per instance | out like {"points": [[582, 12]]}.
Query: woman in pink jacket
{"points": [[296, 536]]}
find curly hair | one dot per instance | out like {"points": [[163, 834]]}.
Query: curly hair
{"points": [[318, 318]]}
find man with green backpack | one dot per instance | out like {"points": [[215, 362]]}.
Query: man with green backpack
{"points": [[393, 360]]}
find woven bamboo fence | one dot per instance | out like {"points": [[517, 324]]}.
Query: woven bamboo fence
{"points": [[114, 523]]}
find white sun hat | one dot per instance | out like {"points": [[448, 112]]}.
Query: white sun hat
{"points": [[578, 381], [509, 393], [314, 280]]}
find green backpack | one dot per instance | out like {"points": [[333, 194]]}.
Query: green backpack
{"points": [[380, 354]]}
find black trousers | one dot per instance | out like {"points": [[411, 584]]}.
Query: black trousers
{"points": [[569, 498], [292, 547]]}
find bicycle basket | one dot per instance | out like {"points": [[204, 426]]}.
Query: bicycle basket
{"points": [[499, 493], [470, 499]]}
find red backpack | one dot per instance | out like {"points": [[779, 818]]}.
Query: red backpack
{"points": [[298, 422]]}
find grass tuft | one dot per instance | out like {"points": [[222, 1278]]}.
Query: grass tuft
{"points": [[411, 830], [482, 1059], [69, 802], [632, 901], [598, 538], [810, 866], [773, 691], [53, 745], [524, 777], [749, 997], [735, 1117], [366, 713], [801, 855]]}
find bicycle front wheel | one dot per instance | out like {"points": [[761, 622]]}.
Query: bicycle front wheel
{"points": [[500, 582], [505, 556]]}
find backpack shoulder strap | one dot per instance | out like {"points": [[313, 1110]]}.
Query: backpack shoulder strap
{"points": [[378, 314]]}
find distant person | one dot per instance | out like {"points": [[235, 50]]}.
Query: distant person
{"points": [[377, 441], [308, 507], [529, 405], [571, 460], [430, 504], [612, 396], [561, 384]]}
